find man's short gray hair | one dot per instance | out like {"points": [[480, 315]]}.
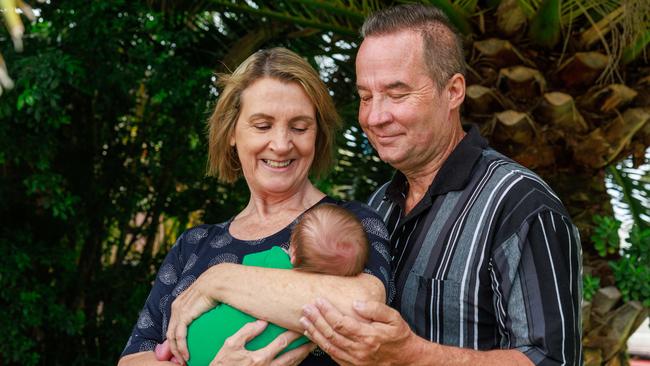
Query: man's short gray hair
{"points": [[442, 44]]}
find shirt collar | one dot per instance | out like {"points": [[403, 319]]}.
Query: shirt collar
{"points": [[455, 172]]}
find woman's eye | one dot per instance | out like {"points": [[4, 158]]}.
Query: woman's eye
{"points": [[299, 129], [262, 126]]}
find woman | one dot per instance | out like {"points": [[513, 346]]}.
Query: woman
{"points": [[274, 124]]}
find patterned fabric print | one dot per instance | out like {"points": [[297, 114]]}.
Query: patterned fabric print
{"points": [[381, 250], [190, 262], [195, 235], [144, 320], [254, 242], [207, 245], [163, 306], [221, 241], [167, 274], [376, 227], [183, 285], [224, 258], [147, 345]]}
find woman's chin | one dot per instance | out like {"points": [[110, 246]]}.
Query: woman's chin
{"points": [[281, 187]]}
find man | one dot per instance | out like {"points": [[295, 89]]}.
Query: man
{"points": [[485, 258]]}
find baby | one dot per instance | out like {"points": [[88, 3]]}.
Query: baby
{"points": [[328, 239]]}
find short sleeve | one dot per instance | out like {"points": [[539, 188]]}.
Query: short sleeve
{"points": [[537, 283], [152, 321], [379, 257]]}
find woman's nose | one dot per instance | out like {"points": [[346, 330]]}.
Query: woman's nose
{"points": [[281, 142]]}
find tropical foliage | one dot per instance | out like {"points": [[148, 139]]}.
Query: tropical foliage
{"points": [[102, 143]]}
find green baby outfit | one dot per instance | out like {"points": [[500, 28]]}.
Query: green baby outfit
{"points": [[208, 332]]}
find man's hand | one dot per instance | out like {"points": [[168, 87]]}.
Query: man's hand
{"points": [[381, 337], [234, 353]]}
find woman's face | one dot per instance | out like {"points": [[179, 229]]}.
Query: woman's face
{"points": [[275, 137]]}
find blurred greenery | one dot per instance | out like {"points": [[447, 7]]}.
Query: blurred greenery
{"points": [[102, 163]]}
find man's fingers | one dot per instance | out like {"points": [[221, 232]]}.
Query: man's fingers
{"points": [[375, 311], [295, 356], [340, 324], [339, 354]]}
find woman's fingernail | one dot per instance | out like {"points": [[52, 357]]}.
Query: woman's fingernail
{"points": [[304, 322], [308, 309], [360, 305]]}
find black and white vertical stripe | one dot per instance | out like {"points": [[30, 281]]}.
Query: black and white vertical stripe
{"points": [[488, 259]]}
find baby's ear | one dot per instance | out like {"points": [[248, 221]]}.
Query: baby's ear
{"points": [[292, 255]]}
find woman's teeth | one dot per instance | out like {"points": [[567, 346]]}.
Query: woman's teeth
{"points": [[277, 164]]}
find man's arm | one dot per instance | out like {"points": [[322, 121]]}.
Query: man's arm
{"points": [[385, 339]]}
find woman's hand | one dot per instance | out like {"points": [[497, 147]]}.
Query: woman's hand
{"points": [[234, 353], [189, 305]]}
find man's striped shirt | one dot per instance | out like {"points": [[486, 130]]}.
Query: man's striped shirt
{"points": [[488, 259]]}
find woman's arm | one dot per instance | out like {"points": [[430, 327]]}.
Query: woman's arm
{"points": [[278, 296], [143, 359], [274, 295]]}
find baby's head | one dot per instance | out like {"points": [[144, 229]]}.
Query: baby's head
{"points": [[331, 240]]}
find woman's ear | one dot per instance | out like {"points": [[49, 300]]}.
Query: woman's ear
{"points": [[456, 91], [232, 140]]}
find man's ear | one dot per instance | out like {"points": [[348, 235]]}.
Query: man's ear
{"points": [[456, 91]]}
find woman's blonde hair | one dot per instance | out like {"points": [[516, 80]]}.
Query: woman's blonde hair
{"points": [[284, 65]]}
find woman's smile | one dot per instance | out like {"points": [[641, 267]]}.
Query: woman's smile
{"points": [[278, 163]]}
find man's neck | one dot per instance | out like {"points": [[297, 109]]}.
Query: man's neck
{"points": [[420, 179]]}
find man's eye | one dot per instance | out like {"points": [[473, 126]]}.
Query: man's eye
{"points": [[365, 98], [397, 96]]}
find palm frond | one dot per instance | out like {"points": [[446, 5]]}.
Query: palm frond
{"points": [[629, 188]]}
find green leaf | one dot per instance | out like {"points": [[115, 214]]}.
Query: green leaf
{"points": [[631, 52], [545, 28]]}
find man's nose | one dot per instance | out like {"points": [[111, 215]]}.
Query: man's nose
{"points": [[379, 112]]}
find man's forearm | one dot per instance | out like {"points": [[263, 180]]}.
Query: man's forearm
{"points": [[278, 295], [427, 353]]}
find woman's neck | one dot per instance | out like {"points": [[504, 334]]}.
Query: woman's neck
{"points": [[265, 214], [266, 205]]}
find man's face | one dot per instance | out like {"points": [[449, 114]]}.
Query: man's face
{"points": [[401, 111]]}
